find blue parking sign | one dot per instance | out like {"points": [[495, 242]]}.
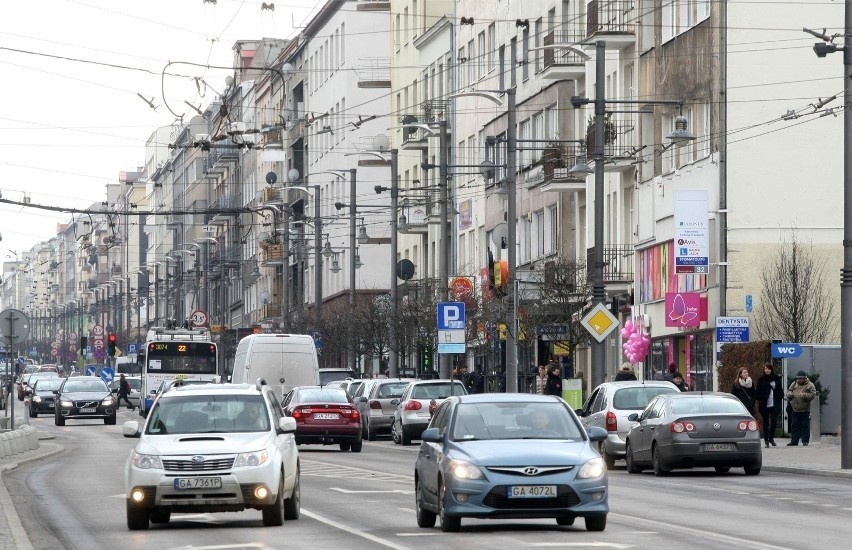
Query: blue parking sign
{"points": [[451, 316]]}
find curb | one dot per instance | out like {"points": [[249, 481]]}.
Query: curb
{"points": [[840, 474]]}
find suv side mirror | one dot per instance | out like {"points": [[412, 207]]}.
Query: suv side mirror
{"points": [[287, 424], [131, 429], [633, 417]]}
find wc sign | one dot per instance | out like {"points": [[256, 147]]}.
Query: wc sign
{"points": [[450, 315], [782, 351]]}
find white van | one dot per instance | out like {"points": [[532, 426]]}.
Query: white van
{"points": [[283, 360]]}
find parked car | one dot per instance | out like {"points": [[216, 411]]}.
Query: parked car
{"points": [[380, 405], [412, 413], [246, 458], [694, 429], [363, 390], [611, 403], [324, 416], [332, 374], [49, 368], [135, 389], [41, 398], [497, 455], [84, 397]]}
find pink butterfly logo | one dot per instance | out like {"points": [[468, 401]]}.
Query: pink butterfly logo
{"points": [[679, 314]]}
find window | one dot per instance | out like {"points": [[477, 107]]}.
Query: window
{"points": [[472, 62], [406, 30], [524, 149], [551, 240], [537, 42], [481, 61], [396, 37], [492, 45], [502, 78], [460, 72], [689, 147], [538, 234], [462, 255], [513, 60], [524, 240], [704, 136], [537, 134], [525, 54], [681, 15]]}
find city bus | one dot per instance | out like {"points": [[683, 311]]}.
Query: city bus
{"points": [[176, 353]]}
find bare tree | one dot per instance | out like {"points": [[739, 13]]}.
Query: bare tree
{"points": [[795, 305]]}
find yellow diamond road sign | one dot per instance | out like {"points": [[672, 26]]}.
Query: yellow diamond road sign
{"points": [[599, 322]]}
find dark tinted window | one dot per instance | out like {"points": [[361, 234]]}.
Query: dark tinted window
{"points": [[636, 399], [438, 390], [391, 391], [707, 404]]}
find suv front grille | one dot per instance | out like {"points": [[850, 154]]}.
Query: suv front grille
{"points": [[190, 466], [87, 404]]}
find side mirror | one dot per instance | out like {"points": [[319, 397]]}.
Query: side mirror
{"points": [[596, 433], [433, 435], [131, 429], [362, 399], [579, 412], [287, 424], [394, 402], [633, 417]]}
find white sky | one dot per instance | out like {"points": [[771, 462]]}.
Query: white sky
{"points": [[67, 128]]}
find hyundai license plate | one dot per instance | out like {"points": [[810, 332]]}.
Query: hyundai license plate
{"points": [[532, 491], [720, 447], [326, 416], [89, 410], [198, 483]]}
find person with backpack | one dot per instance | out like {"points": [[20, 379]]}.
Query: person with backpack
{"points": [[124, 392]]}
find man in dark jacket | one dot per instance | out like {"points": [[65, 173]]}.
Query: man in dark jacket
{"points": [[770, 397], [800, 394], [554, 381], [124, 392], [626, 372]]}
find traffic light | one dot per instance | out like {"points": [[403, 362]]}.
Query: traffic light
{"points": [[111, 344]]}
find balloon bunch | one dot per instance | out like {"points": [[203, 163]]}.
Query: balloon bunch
{"points": [[636, 344]]}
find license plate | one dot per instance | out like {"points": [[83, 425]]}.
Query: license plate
{"points": [[719, 447], [532, 491], [198, 483], [85, 411], [326, 416], [50, 405]]}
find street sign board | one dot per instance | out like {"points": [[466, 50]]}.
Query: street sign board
{"points": [[451, 316], [782, 351], [198, 318], [599, 322], [451, 337], [131, 348], [14, 327], [98, 330], [556, 331], [692, 228], [732, 330], [107, 374], [90, 370]]}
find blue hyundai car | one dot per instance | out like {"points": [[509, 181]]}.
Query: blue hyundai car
{"points": [[509, 456]]}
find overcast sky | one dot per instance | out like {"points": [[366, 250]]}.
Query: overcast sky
{"points": [[70, 116]]}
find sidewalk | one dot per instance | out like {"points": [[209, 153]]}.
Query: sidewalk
{"points": [[821, 458]]}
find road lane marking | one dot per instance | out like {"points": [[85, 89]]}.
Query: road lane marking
{"points": [[424, 534], [412, 510], [352, 530], [370, 492], [593, 544], [224, 546]]}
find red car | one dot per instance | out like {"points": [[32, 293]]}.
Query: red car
{"points": [[324, 416]]}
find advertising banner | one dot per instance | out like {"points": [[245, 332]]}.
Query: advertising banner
{"points": [[692, 241]]}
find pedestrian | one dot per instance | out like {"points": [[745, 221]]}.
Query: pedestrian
{"points": [[501, 381], [770, 395], [626, 372], [744, 389], [124, 392], [800, 394], [476, 380], [540, 380], [670, 372], [677, 380], [554, 381]]}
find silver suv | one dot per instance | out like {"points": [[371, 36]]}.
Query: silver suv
{"points": [[213, 448], [609, 406]]}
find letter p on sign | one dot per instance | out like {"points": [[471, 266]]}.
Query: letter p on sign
{"points": [[451, 316]]}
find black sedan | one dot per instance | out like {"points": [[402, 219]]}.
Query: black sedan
{"points": [[41, 398], [84, 397], [691, 430]]}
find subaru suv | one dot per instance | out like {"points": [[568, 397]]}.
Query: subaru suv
{"points": [[213, 448]]}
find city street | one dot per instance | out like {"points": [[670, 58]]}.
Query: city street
{"points": [[75, 499]]}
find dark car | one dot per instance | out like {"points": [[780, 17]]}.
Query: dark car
{"points": [[693, 429], [27, 380], [41, 396], [84, 397], [325, 416]]}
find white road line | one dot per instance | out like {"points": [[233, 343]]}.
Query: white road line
{"points": [[412, 510], [582, 544], [224, 546], [376, 492], [424, 534], [352, 530], [803, 501], [847, 509]]}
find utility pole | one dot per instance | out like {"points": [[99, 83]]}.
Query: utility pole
{"points": [[511, 213], [598, 369], [353, 191], [317, 254], [444, 364], [285, 269], [393, 356]]}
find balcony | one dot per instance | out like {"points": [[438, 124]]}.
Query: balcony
{"points": [[562, 63], [274, 254], [620, 149], [271, 310], [273, 195], [374, 72], [618, 264], [372, 5], [613, 21]]}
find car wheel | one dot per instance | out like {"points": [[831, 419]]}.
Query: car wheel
{"points": [[632, 467], [59, 420], [425, 518], [273, 515], [137, 518], [357, 445], [752, 470], [405, 436], [565, 520], [293, 505], [449, 524], [345, 446], [371, 434], [33, 413], [723, 469], [608, 458], [395, 434], [595, 523], [110, 421], [160, 517], [659, 468]]}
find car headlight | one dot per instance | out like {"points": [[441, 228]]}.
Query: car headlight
{"points": [[36, 399], [146, 462], [592, 469], [66, 403], [465, 470], [251, 459], [107, 401]]}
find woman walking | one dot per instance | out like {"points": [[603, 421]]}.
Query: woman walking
{"points": [[744, 389], [770, 395]]}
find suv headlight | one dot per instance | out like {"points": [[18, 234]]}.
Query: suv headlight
{"points": [[251, 459], [66, 403], [107, 401], [146, 462], [465, 470], [592, 469], [36, 399]]}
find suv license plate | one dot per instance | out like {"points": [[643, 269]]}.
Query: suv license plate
{"points": [[198, 483], [85, 411], [532, 491], [720, 447], [326, 416]]}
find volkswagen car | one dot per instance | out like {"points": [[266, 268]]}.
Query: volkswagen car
{"points": [[83, 397], [412, 412], [213, 448], [516, 456]]}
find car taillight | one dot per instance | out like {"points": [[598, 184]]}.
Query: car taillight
{"points": [[301, 413], [611, 422], [747, 425], [412, 405], [680, 427], [374, 404], [351, 414]]}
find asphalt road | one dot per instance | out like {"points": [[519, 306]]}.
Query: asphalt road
{"points": [[365, 500]]}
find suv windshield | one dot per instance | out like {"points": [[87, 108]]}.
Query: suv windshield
{"points": [[636, 399], [188, 414]]}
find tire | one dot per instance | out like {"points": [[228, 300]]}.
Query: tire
{"points": [[160, 517], [565, 520], [405, 436], [137, 518], [752, 470], [59, 420], [33, 414], [371, 434], [345, 446], [595, 523], [723, 469], [110, 421], [659, 468], [425, 518], [395, 434], [293, 505], [273, 515], [609, 460], [356, 446], [632, 467], [449, 524]]}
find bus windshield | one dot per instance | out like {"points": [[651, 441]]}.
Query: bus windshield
{"points": [[182, 358]]}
